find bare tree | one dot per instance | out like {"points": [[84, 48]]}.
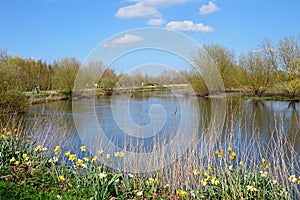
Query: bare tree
{"points": [[257, 69]]}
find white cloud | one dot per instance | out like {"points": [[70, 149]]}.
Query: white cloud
{"points": [[146, 8], [210, 8], [189, 26], [126, 39], [138, 10], [156, 22]]}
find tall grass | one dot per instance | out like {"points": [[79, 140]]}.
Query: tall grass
{"points": [[234, 167]]}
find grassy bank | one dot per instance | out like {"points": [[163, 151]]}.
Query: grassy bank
{"points": [[43, 169]]}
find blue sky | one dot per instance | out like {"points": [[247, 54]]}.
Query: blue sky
{"points": [[53, 29]]}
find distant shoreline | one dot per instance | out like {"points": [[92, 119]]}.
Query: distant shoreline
{"points": [[50, 96]]}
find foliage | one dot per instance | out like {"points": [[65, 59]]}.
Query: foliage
{"points": [[198, 84], [284, 59], [225, 62], [11, 98], [65, 73], [258, 70]]}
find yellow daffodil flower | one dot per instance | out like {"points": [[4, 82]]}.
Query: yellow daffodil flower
{"points": [[292, 178], [196, 172], [83, 148], [102, 175], [94, 159], [263, 173], [79, 162], [181, 193], [214, 181], [56, 150], [67, 153], [251, 188], [72, 157], [61, 178]]}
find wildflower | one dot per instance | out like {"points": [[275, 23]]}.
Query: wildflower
{"points": [[17, 162], [83, 148], [102, 175], [275, 168], [72, 157], [196, 172], [100, 151], [25, 157], [4, 129], [28, 139], [140, 193], [263, 173], [206, 173], [119, 154], [181, 193], [232, 156], [86, 159], [61, 178], [292, 178], [130, 176], [12, 159], [167, 185], [84, 165], [204, 182], [229, 149], [214, 181], [53, 160], [2, 136], [37, 148], [107, 156], [150, 181], [219, 154], [251, 188], [94, 159], [67, 153], [44, 149], [263, 160], [17, 152], [267, 165], [8, 133], [298, 181], [210, 169], [79, 162], [15, 130], [56, 150]]}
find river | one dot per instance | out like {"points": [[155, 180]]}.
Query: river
{"points": [[150, 121]]}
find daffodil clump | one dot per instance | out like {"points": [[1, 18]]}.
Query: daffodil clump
{"points": [[233, 179], [27, 167]]}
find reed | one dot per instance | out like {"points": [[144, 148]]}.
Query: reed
{"points": [[235, 166]]}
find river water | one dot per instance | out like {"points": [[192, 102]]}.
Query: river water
{"points": [[111, 122]]}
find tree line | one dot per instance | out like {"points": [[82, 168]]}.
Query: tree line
{"points": [[269, 68], [273, 68]]}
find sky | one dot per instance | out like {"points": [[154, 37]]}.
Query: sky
{"points": [[54, 29]]}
